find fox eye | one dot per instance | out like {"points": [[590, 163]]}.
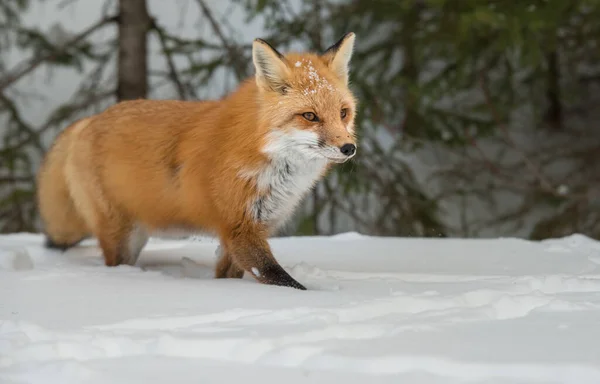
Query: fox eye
{"points": [[310, 116], [344, 113]]}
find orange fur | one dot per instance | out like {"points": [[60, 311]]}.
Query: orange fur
{"points": [[233, 167]]}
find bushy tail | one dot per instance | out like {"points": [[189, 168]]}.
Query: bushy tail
{"points": [[63, 225]]}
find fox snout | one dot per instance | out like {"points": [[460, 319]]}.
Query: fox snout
{"points": [[339, 152], [348, 149], [344, 146]]}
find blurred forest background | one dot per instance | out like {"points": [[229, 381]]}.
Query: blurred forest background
{"points": [[477, 118]]}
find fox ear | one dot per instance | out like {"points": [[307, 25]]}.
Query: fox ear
{"points": [[339, 54], [271, 69]]}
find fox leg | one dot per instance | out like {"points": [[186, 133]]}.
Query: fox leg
{"points": [[251, 252], [226, 268], [121, 242], [136, 241], [120, 237]]}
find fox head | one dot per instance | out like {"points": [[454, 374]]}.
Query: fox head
{"points": [[305, 100]]}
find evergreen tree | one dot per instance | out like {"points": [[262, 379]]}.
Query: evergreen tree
{"points": [[476, 118]]}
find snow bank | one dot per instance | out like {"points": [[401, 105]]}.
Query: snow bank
{"points": [[377, 310]]}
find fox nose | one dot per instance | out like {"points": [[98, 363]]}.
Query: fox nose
{"points": [[348, 149]]}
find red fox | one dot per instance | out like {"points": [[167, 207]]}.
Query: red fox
{"points": [[235, 168]]}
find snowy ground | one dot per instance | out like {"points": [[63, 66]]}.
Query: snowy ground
{"points": [[377, 310]]}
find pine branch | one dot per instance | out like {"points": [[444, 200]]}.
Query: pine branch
{"points": [[29, 65], [16, 117], [534, 168], [232, 52], [58, 115], [173, 74], [16, 179]]}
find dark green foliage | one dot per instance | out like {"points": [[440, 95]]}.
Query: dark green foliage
{"points": [[503, 90]]}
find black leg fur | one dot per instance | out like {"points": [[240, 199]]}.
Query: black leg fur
{"points": [[274, 274]]}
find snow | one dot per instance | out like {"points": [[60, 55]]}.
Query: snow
{"points": [[316, 82], [378, 310]]}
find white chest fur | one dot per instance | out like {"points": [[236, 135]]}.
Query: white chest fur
{"points": [[284, 181]]}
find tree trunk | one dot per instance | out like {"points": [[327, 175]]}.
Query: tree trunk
{"points": [[134, 25], [554, 113]]}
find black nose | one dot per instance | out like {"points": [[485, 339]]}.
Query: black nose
{"points": [[348, 149]]}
